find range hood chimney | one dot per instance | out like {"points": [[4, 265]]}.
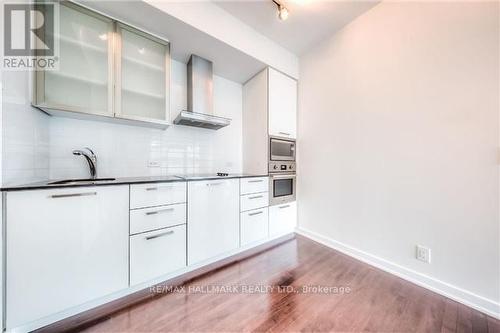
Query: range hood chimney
{"points": [[200, 97]]}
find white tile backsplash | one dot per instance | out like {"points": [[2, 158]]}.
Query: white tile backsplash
{"points": [[37, 147], [25, 132]]}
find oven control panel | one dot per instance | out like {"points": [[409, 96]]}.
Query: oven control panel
{"points": [[281, 166]]}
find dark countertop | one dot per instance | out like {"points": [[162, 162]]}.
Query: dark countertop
{"points": [[124, 181]]}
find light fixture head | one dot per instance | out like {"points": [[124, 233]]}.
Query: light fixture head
{"points": [[282, 12]]}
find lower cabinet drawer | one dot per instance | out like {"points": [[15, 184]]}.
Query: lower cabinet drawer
{"points": [[254, 185], [254, 201], [157, 194], [157, 253], [254, 225], [282, 219], [147, 219]]}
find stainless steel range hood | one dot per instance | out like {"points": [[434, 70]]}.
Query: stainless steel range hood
{"points": [[200, 97]]}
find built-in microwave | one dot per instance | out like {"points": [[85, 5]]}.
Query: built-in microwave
{"points": [[281, 149], [281, 188]]}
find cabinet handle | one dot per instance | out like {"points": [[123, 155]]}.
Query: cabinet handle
{"points": [[214, 184], [156, 188], [85, 194], [256, 181], [284, 133], [160, 235], [159, 211], [255, 197], [256, 213], [285, 206]]}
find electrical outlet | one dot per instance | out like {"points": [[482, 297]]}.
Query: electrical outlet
{"points": [[423, 254], [153, 164]]}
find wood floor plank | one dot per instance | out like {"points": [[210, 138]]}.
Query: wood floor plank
{"points": [[464, 319], [450, 315], [479, 322], [493, 325], [305, 306], [377, 301]]}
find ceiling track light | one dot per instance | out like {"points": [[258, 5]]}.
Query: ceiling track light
{"points": [[282, 10]]}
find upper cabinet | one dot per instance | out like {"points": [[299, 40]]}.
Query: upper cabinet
{"points": [[282, 99], [84, 81], [107, 70], [142, 62]]}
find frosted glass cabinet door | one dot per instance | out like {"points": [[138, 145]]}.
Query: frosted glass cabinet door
{"points": [[142, 76], [83, 81]]}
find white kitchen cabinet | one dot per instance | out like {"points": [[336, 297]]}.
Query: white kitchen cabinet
{"points": [[269, 109], [254, 225], [282, 105], [282, 219], [146, 219], [83, 82], [213, 218], [64, 247], [254, 201], [142, 76], [254, 185], [157, 253], [157, 194], [107, 71]]}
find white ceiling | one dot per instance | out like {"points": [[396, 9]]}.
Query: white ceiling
{"points": [[309, 21]]}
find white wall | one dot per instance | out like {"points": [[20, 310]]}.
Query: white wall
{"points": [[38, 147], [398, 144]]}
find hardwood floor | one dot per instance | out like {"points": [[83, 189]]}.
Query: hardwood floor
{"points": [[376, 301]]}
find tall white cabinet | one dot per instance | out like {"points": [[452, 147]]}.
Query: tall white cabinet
{"points": [[213, 218], [269, 109], [64, 247], [282, 105]]}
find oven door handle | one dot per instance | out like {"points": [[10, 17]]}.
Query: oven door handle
{"points": [[283, 140], [283, 176]]}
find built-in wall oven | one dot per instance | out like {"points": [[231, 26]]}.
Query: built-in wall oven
{"points": [[281, 188]]}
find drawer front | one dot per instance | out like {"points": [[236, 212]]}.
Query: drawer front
{"points": [[147, 219], [157, 194], [254, 201], [157, 253], [254, 185], [282, 219], [254, 226]]}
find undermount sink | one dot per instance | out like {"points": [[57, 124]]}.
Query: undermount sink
{"points": [[81, 181]]}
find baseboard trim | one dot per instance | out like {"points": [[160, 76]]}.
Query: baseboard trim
{"points": [[455, 293]]}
